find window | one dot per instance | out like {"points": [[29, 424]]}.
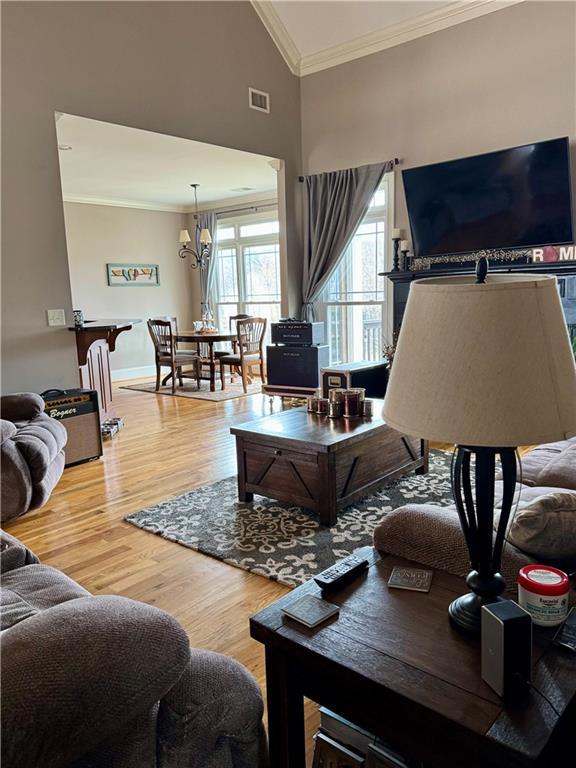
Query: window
{"points": [[353, 303], [247, 278]]}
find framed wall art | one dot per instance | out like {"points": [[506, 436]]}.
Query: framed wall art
{"points": [[143, 275]]}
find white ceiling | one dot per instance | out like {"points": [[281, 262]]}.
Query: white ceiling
{"points": [[112, 164], [316, 34], [317, 24]]}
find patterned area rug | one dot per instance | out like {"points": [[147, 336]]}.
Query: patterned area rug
{"points": [[278, 541], [233, 390]]}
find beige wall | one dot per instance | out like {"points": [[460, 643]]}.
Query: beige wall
{"points": [[99, 234], [502, 80], [138, 64]]}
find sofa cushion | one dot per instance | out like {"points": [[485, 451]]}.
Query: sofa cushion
{"points": [[21, 406], [41, 491], [7, 429], [545, 527], [552, 464], [16, 491], [14, 554], [32, 589], [39, 442]]}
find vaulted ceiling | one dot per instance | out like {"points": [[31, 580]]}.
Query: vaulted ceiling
{"points": [[316, 34]]}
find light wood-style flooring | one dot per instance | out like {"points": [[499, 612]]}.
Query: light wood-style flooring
{"points": [[167, 446]]}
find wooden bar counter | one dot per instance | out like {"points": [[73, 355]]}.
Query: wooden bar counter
{"points": [[94, 342]]}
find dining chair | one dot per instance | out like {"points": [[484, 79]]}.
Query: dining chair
{"points": [[232, 323], [248, 349], [163, 334], [232, 320]]}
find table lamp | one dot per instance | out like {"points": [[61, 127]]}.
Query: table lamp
{"points": [[484, 363]]}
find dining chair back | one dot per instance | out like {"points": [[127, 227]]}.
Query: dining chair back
{"points": [[247, 349], [163, 331], [250, 335], [233, 325]]}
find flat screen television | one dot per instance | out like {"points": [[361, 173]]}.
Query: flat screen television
{"points": [[513, 198]]}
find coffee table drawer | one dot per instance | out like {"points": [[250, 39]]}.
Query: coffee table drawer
{"points": [[285, 453]]}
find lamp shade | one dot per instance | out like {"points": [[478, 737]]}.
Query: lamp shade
{"points": [[205, 237], [485, 364], [184, 236]]}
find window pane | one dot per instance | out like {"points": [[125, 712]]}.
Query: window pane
{"points": [[354, 332], [262, 228], [225, 233], [270, 311], [371, 332], [379, 198], [356, 278], [227, 275], [335, 322], [223, 315], [262, 272]]}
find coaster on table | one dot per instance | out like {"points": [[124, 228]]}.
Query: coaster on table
{"points": [[415, 579], [310, 610]]}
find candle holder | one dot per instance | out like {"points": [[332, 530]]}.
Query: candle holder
{"points": [[405, 264], [396, 261]]}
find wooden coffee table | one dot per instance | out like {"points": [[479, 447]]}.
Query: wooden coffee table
{"points": [[392, 664], [320, 463]]}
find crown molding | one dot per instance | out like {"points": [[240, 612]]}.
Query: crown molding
{"points": [[396, 34], [256, 199], [279, 34], [116, 203]]}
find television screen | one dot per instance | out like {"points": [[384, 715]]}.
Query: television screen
{"points": [[514, 198]]}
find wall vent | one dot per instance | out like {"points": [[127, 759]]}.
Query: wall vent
{"points": [[259, 100]]}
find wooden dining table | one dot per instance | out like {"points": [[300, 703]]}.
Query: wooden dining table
{"points": [[210, 339]]}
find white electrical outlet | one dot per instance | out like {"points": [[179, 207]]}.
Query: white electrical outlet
{"points": [[56, 317]]}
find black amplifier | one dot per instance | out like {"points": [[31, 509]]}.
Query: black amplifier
{"points": [[78, 411], [371, 375], [293, 366], [297, 333]]}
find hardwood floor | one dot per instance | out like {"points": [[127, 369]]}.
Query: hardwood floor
{"points": [[167, 446]]}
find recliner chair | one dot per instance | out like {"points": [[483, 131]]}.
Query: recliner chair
{"points": [[108, 682], [32, 453]]}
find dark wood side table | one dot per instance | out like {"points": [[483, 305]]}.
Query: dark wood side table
{"points": [[320, 463], [392, 664]]}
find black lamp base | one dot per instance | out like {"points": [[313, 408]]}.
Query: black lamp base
{"points": [[465, 612], [475, 505]]}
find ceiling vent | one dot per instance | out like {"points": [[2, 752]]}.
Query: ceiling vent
{"points": [[259, 100]]}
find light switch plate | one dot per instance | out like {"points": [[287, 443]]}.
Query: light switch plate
{"points": [[56, 316]]}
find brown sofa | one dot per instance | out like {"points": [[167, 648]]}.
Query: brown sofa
{"points": [[32, 453], [552, 465], [107, 682], [432, 535]]}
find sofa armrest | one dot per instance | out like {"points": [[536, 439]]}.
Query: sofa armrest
{"points": [[213, 715], [77, 673], [21, 406], [14, 554], [432, 536]]}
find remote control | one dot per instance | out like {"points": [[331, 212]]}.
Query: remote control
{"points": [[338, 574]]}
